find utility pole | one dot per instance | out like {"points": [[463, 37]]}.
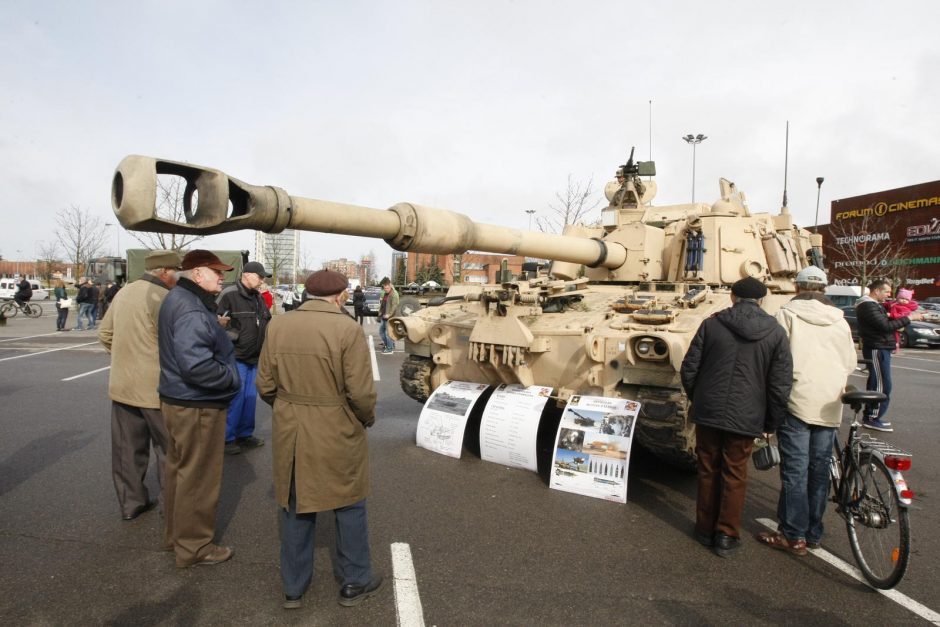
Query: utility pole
{"points": [[819, 182], [530, 212]]}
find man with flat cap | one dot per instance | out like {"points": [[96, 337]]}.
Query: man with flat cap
{"points": [[198, 379], [129, 332], [316, 371], [249, 316], [737, 374]]}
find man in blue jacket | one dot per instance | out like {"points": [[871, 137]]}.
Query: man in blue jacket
{"points": [[737, 373], [198, 379]]}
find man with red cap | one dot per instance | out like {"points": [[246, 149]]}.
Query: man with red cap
{"points": [[316, 371], [198, 379]]}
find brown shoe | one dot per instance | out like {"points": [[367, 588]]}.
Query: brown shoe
{"points": [[776, 540], [215, 555]]}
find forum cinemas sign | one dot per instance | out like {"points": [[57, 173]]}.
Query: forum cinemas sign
{"points": [[880, 209]]}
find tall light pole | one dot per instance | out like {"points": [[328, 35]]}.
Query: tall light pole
{"points": [[18, 253], [117, 230], [530, 212], [819, 182], [695, 140]]}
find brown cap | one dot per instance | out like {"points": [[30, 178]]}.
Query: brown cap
{"points": [[203, 259], [326, 283], [162, 259]]}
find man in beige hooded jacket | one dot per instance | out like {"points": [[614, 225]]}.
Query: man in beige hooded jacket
{"points": [[823, 358]]}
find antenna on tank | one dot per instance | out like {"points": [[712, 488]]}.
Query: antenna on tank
{"points": [[786, 158], [651, 133]]}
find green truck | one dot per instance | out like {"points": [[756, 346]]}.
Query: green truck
{"points": [[235, 258]]}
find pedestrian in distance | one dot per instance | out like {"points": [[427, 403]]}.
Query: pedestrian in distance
{"points": [[96, 294], [287, 301], [24, 292], [249, 314], [129, 333], [359, 304], [876, 332], [198, 380], [315, 371], [85, 304], [823, 358], [388, 307], [62, 311], [737, 374]]}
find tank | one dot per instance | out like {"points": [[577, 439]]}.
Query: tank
{"points": [[613, 316]]}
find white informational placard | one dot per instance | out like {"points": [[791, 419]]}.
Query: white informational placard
{"points": [[592, 447], [444, 417], [510, 424]]}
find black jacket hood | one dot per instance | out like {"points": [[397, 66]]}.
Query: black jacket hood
{"points": [[747, 320]]}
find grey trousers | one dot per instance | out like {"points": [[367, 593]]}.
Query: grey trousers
{"points": [[353, 560], [133, 430]]}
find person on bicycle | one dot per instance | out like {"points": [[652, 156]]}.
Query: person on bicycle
{"points": [[24, 292], [823, 358]]}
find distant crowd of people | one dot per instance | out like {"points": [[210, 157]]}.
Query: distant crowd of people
{"points": [[188, 361]]}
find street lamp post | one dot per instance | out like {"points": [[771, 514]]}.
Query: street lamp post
{"points": [[18, 253], [117, 230], [695, 140], [530, 212], [819, 182]]}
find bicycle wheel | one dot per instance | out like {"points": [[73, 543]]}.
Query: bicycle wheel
{"points": [[33, 311], [879, 530], [9, 310]]}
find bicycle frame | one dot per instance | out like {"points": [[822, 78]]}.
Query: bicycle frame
{"points": [[846, 460]]}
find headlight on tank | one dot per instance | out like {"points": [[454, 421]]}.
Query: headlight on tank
{"points": [[650, 348]]}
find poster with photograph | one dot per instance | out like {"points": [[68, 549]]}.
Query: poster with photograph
{"points": [[592, 448], [510, 425], [444, 417]]}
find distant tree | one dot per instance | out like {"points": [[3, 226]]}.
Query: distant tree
{"points": [[81, 235], [570, 207], [430, 272], [304, 265], [49, 258], [861, 250], [170, 192], [401, 272]]}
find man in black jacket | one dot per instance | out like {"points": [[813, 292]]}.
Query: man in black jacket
{"points": [[249, 315], [24, 292], [737, 374], [876, 331]]}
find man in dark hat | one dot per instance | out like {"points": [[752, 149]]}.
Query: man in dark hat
{"points": [[249, 316], [129, 333], [198, 379], [737, 374], [315, 370]]}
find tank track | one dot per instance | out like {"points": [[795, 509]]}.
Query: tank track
{"points": [[673, 439], [415, 377]]}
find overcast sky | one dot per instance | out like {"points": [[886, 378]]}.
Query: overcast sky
{"points": [[480, 107]]}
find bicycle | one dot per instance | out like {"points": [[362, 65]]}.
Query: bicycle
{"points": [[872, 496], [10, 308]]}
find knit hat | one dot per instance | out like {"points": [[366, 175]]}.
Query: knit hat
{"points": [[326, 283], [203, 259], [749, 288], [162, 259], [906, 294]]}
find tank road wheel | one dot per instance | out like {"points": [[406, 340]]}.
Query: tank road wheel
{"points": [[415, 377], [408, 305], [664, 428]]}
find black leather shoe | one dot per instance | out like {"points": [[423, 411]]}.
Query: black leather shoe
{"points": [[232, 449], [249, 442], [140, 509], [705, 539], [352, 595], [726, 546]]}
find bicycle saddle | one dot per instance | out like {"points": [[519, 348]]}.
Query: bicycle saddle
{"points": [[856, 398]]}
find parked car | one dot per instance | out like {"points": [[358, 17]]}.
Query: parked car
{"points": [[915, 334], [373, 302], [8, 288], [931, 311]]}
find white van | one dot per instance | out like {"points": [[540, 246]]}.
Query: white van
{"points": [[8, 289], [844, 295]]}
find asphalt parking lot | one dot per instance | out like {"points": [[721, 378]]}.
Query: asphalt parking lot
{"points": [[488, 544]]}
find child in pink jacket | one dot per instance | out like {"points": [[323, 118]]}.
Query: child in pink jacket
{"points": [[902, 305]]}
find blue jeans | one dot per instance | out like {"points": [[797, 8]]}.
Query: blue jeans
{"points": [[805, 451], [298, 531], [240, 420], [879, 379], [383, 334], [85, 312]]}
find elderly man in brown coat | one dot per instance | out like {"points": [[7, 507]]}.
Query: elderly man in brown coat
{"points": [[316, 371]]}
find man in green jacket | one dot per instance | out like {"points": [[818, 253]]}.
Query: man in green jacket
{"points": [[387, 309]]}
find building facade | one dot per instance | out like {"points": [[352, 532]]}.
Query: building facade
{"points": [[279, 254], [470, 267], [893, 234]]}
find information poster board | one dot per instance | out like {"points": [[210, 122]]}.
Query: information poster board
{"points": [[510, 425], [592, 447], [444, 417]]}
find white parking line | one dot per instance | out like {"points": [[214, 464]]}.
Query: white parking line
{"points": [[85, 374], [52, 350], [14, 339], [407, 600], [901, 599]]}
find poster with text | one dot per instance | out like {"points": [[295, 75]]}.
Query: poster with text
{"points": [[444, 417], [592, 447], [510, 424]]}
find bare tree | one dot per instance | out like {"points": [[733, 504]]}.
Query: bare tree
{"points": [[81, 235], [304, 265], [278, 255], [170, 192], [49, 258], [570, 207], [862, 250]]}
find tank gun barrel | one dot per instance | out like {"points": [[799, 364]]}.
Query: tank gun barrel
{"points": [[216, 203]]}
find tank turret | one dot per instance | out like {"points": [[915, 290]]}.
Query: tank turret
{"points": [[614, 317]]}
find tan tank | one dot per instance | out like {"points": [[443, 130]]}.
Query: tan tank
{"points": [[614, 317]]}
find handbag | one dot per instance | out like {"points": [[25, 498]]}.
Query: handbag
{"points": [[766, 454], [65, 303]]}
